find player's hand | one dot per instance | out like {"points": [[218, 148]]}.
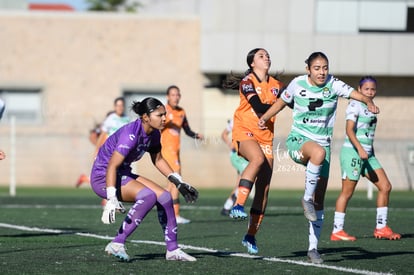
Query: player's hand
{"points": [[111, 207], [373, 108], [262, 124], [189, 193]]}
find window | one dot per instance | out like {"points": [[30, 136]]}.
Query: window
{"points": [[132, 95], [24, 104]]}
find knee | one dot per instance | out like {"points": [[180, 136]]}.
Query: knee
{"points": [[318, 155], [385, 188], [147, 195]]}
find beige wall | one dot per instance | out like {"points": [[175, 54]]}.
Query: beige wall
{"points": [[81, 62]]}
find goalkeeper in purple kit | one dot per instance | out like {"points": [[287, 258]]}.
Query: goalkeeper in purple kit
{"points": [[112, 178]]}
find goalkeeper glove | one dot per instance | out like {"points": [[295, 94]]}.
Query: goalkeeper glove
{"points": [[189, 193], [111, 206]]}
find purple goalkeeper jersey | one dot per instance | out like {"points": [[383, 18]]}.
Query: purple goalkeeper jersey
{"points": [[132, 142]]}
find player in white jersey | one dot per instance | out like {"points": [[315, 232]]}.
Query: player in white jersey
{"points": [[314, 97], [358, 158]]}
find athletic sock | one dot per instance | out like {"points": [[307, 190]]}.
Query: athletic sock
{"points": [[176, 205], [166, 217], [255, 220], [228, 204], [144, 201], [339, 220], [311, 179], [245, 186], [315, 229], [382, 213]]}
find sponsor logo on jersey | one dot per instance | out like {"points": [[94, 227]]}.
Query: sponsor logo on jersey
{"points": [[259, 90], [249, 134], [275, 91], [302, 93], [247, 88], [131, 136]]}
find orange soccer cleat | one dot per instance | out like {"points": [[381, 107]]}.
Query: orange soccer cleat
{"points": [[386, 233], [82, 179], [342, 236]]}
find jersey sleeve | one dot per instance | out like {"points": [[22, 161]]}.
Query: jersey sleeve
{"points": [[126, 141], [341, 88], [288, 93], [352, 110], [106, 124], [247, 87]]}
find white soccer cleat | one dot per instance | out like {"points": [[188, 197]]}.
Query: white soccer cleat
{"points": [[118, 250], [179, 255], [181, 220]]}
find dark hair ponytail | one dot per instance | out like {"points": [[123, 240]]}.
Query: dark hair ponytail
{"points": [[146, 106]]}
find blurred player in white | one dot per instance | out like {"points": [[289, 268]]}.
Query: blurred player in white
{"points": [[358, 158], [113, 121]]}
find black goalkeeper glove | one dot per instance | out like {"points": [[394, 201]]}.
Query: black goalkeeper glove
{"points": [[189, 193]]}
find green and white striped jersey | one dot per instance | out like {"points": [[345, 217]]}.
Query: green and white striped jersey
{"points": [[365, 124], [314, 107]]}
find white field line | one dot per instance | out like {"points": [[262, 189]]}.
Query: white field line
{"points": [[196, 248], [189, 207]]}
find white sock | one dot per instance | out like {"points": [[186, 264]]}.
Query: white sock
{"points": [[339, 221], [382, 213], [311, 179], [228, 204], [315, 229]]}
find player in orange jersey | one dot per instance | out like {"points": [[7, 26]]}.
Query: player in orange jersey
{"points": [[170, 140], [258, 91]]}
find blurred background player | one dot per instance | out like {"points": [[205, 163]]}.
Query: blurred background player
{"points": [[238, 162], [315, 96], [358, 158], [170, 140], [258, 91], [114, 120], [112, 178]]}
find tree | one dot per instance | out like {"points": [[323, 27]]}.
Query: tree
{"points": [[113, 5]]}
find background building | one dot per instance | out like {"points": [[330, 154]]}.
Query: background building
{"points": [[60, 71]]}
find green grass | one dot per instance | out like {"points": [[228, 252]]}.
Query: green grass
{"points": [[282, 239]]}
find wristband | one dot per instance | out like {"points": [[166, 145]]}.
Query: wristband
{"points": [[110, 192], [176, 175]]}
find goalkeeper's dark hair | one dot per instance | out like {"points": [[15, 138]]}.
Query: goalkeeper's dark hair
{"points": [[146, 106]]}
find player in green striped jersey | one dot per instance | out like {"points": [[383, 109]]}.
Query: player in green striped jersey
{"points": [[358, 158], [314, 97]]}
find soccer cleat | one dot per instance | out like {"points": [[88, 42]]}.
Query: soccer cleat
{"points": [[250, 242], [82, 179], [309, 210], [314, 257], [237, 212], [181, 220], [179, 255], [342, 236], [386, 233], [118, 250]]}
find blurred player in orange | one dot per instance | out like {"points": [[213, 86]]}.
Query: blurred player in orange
{"points": [[170, 140], [258, 91]]}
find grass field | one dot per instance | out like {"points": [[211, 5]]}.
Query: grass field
{"points": [[58, 231]]}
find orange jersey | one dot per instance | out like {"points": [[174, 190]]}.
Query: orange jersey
{"points": [[170, 135], [246, 119]]}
